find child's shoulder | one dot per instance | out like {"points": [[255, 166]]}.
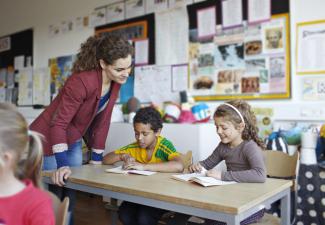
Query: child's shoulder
{"points": [[251, 145], [35, 191], [163, 141]]}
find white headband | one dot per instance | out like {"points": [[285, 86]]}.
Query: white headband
{"points": [[237, 111]]}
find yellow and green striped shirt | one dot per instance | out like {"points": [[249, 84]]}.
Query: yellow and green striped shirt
{"points": [[164, 151]]}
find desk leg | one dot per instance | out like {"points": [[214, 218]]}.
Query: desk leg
{"points": [[114, 212], [233, 221], [285, 209]]}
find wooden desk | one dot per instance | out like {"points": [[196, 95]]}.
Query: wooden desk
{"points": [[231, 203]]}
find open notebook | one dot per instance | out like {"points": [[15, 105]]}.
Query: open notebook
{"points": [[200, 178], [120, 170]]}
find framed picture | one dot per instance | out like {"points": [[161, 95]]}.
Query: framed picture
{"points": [[310, 47]]}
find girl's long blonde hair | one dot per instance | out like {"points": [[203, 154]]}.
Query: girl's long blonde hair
{"points": [[250, 131], [25, 144]]}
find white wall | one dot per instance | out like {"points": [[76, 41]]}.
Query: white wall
{"points": [[39, 14]]}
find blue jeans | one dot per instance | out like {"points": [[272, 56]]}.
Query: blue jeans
{"points": [[74, 155]]}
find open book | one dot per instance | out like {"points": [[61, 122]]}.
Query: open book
{"points": [[119, 169], [200, 178]]}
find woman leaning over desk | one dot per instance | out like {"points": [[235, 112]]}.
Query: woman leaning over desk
{"points": [[83, 107]]}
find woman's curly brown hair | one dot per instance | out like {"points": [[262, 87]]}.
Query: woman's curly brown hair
{"points": [[250, 131], [109, 48]]}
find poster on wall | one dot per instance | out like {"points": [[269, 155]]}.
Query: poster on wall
{"points": [[25, 87], [60, 71], [115, 12], [310, 47], [313, 89], [250, 62]]}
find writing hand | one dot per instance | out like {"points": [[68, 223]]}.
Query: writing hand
{"points": [[134, 166], [196, 168]]}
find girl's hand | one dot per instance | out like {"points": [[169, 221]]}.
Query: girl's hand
{"points": [[134, 166], [60, 175], [214, 173], [196, 168]]}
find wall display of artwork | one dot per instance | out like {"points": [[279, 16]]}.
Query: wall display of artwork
{"points": [[135, 29], [248, 62], [60, 68]]}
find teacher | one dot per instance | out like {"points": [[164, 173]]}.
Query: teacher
{"points": [[84, 105]]}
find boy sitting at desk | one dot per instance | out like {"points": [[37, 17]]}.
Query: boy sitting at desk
{"points": [[150, 152]]}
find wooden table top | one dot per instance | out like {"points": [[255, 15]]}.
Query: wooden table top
{"points": [[233, 199]]}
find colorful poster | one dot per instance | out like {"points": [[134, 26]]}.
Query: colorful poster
{"points": [[60, 70]]}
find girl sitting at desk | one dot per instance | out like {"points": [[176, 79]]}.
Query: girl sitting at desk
{"points": [[150, 152], [240, 147]]}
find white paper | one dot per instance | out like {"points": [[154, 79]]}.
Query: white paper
{"points": [[142, 52], [259, 11], [115, 12], [134, 8], [19, 62], [25, 87], [186, 176], [274, 36], [98, 17], [232, 13], [5, 44], [179, 3], [210, 181], [206, 22], [41, 86], [171, 48], [54, 30], [122, 171], [153, 84], [179, 77], [311, 48], [156, 6], [2, 94], [313, 89]]}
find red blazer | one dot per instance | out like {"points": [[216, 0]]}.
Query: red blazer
{"points": [[72, 114]]}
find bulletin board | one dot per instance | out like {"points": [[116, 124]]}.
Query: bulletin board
{"points": [[241, 62], [134, 29], [21, 43]]}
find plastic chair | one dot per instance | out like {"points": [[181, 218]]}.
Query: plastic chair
{"points": [[60, 209], [283, 166]]}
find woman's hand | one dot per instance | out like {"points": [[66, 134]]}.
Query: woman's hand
{"points": [[134, 166], [214, 173], [196, 168], [60, 175]]}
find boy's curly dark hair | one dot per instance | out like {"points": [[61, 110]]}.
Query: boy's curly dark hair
{"points": [[149, 115], [109, 47]]}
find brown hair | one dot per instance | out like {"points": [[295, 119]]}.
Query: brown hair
{"points": [[109, 48], [26, 145], [250, 131]]}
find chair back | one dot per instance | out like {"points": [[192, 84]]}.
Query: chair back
{"points": [[60, 209], [187, 160], [281, 165]]}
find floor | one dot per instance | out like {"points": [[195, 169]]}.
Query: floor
{"points": [[90, 209]]}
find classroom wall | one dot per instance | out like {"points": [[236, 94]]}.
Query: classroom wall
{"points": [[40, 14]]}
